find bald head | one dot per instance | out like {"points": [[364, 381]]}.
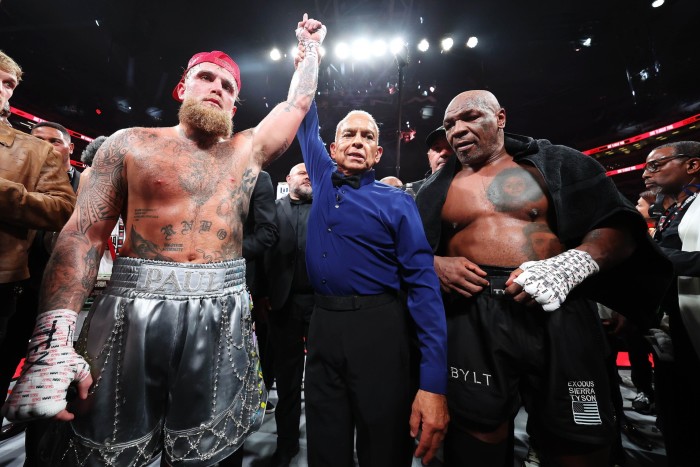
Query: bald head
{"points": [[474, 123], [480, 98], [299, 183], [393, 181]]}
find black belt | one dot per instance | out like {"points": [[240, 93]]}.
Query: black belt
{"points": [[353, 302]]}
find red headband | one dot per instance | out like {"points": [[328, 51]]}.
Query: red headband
{"points": [[217, 58]]}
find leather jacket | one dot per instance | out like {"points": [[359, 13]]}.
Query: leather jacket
{"points": [[35, 193]]}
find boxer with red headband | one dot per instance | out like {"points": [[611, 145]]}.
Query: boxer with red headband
{"points": [[167, 364]]}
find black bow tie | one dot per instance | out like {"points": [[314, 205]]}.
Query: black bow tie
{"points": [[338, 180]]}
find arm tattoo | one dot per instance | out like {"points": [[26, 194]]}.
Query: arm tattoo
{"points": [[60, 289], [305, 79], [107, 189], [72, 269]]}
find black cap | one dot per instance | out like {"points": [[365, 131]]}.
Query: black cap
{"points": [[435, 134]]}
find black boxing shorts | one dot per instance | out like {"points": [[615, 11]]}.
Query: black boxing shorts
{"points": [[502, 354]]}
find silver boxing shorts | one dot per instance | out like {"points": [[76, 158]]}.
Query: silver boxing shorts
{"points": [[174, 364]]}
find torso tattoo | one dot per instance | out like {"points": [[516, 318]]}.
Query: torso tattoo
{"points": [[499, 215], [182, 203]]}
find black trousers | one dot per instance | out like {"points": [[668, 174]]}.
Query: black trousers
{"points": [[22, 301], [9, 293], [287, 332], [358, 378]]}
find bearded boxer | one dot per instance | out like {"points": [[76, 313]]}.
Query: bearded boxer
{"points": [[522, 229], [169, 364]]}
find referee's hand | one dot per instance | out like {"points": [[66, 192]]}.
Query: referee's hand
{"points": [[429, 414]]}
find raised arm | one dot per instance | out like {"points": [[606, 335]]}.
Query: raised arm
{"points": [[275, 132]]}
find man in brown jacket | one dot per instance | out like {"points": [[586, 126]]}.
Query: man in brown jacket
{"points": [[34, 194]]}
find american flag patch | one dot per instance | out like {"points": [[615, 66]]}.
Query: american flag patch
{"points": [[586, 413]]}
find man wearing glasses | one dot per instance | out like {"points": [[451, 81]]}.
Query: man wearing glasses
{"points": [[674, 170]]}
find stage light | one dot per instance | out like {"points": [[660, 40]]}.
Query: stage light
{"points": [[432, 88], [657, 3], [322, 51], [586, 42], [447, 44], [396, 45], [423, 45], [472, 41], [342, 50], [379, 48], [275, 54], [361, 50]]}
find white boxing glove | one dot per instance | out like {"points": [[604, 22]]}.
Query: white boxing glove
{"points": [[52, 364], [549, 281]]}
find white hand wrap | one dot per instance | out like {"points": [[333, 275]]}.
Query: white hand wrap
{"points": [[52, 364], [306, 39], [549, 281]]}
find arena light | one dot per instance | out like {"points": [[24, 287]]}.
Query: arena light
{"points": [[586, 42], [447, 44], [423, 45], [361, 50], [396, 45], [657, 3], [275, 54], [342, 50], [322, 51], [472, 42], [379, 48]]}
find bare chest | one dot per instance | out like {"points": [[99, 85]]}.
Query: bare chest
{"points": [[510, 193], [174, 171]]}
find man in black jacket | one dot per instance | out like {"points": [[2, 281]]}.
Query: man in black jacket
{"points": [[259, 234], [291, 301]]}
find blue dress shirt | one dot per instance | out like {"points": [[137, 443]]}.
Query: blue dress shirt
{"points": [[370, 241]]}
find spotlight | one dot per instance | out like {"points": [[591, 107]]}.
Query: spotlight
{"points": [[472, 41], [322, 51], [275, 54], [586, 42], [342, 50], [361, 49], [423, 45], [447, 44], [432, 88], [657, 3], [379, 48], [396, 45]]}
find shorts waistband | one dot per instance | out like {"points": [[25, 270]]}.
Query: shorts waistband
{"points": [[177, 279], [497, 277], [352, 302]]}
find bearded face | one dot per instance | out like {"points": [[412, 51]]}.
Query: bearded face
{"points": [[207, 119]]}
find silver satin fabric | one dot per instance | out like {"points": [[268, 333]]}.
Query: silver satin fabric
{"points": [[175, 367]]}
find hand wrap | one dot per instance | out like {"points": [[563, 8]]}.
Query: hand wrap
{"points": [[304, 39], [549, 281], [52, 364]]}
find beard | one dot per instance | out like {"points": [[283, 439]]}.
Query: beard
{"points": [[208, 120], [304, 193]]}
